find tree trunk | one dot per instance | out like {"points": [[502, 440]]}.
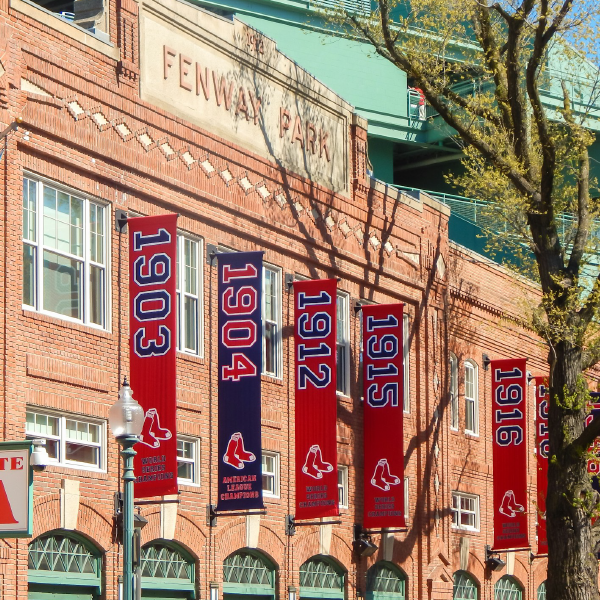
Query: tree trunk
{"points": [[572, 563]]}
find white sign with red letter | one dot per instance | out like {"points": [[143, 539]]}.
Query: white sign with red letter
{"points": [[15, 490]]}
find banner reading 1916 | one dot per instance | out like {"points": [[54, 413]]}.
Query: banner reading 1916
{"points": [[240, 362], [316, 402], [383, 416], [152, 293], [509, 412], [542, 449]]}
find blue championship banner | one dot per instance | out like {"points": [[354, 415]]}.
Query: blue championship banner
{"points": [[240, 358]]}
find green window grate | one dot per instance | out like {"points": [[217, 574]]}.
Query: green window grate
{"points": [[322, 574], [541, 593], [63, 554], [247, 569], [159, 560], [507, 589], [465, 587], [385, 578]]}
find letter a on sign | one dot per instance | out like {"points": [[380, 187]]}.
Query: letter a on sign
{"points": [[16, 490]]}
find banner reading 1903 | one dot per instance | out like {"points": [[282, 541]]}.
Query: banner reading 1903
{"points": [[383, 416], [240, 363], [509, 412], [316, 402], [542, 450], [152, 292]]}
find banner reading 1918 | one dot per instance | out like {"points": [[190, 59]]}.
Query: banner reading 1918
{"points": [[240, 363], [152, 325], [316, 402], [509, 412], [383, 416], [541, 448]]}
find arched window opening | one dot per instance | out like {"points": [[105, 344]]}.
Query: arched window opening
{"points": [[321, 577], [541, 591], [63, 565], [385, 581], [248, 573], [167, 572], [507, 589], [465, 587]]}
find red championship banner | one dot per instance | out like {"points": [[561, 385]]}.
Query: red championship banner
{"points": [[153, 309], [541, 449], [383, 416], [316, 402], [509, 412]]}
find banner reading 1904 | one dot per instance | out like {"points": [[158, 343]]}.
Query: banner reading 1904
{"points": [[509, 412], [542, 451], [152, 260], [383, 416], [316, 402], [240, 362]]}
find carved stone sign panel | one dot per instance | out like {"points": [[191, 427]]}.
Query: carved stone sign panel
{"points": [[232, 81]]}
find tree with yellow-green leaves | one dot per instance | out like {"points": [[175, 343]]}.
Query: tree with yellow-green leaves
{"points": [[525, 128]]}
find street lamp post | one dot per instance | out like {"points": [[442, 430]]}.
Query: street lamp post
{"points": [[126, 418]]}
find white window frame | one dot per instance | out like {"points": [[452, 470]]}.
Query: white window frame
{"points": [[61, 438], [458, 511], [273, 475], [406, 361], [277, 358], [85, 260], [343, 342], [343, 489], [406, 498], [194, 461], [198, 296], [453, 391], [472, 402]]}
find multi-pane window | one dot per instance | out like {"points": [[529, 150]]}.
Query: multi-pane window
{"points": [[188, 460], [271, 321], [471, 399], [406, 361], [343, 343], [465, 511], [64, 253], [189, 295], [343, 486], [506, 588], [453, 391], [71, 441], [270, 473]]}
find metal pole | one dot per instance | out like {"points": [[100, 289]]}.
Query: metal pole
{"points": [[127, 452]]}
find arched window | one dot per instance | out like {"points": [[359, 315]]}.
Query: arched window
{"points": [[385, 581], [65, 565], [248, 572], [167, 571], [507, 588], [541, 593], [321, 577], [465, 587], [471, 398]]}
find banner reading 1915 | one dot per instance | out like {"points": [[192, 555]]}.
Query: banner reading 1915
{"points": [[383, 416], [509, 412], [152, 325], [316, 402], [541, 449], [240, 363]]}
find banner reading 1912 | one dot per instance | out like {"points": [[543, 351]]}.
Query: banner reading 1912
{"points": [[152, 325], [509, 412], [240, 365], [316, 402], [383, 416], [542, 449]]}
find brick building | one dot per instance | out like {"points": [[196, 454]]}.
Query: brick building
{"points": [[159, 106]]}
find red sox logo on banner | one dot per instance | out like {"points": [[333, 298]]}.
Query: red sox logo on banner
{"points": [[152, 259], [542, 451], [316, 402], [383, 416], [509, 410]]}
